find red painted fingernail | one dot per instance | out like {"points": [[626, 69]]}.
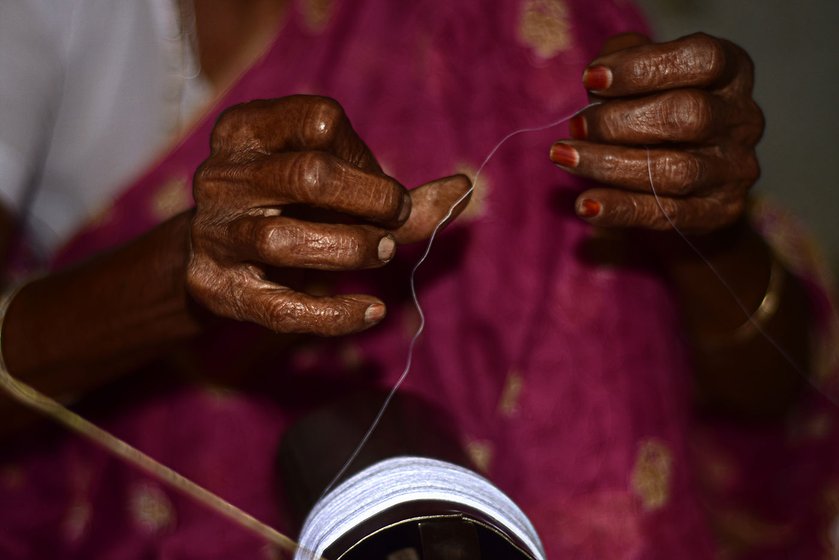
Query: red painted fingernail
{"points": [[597, 78], [564, 155], [588, 208], [577, 128], [374, 313]]}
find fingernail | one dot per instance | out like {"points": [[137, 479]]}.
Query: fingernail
{"points": [[387, 248], [405, 211], [577, 128], [374, 313], [597, 78], [564, 155], [589, 208]]}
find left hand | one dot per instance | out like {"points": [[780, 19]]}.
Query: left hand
{"points": [[689, 103]]}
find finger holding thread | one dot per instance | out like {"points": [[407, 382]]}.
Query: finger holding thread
{"points": [[314, 178], [292, 123], [675, 172], [679, 116], [433, 206], [614, 208]]}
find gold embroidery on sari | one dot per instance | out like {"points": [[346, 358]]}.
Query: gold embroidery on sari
{"points": [[508, 405], [317, 13], [544, 27], [151, 508], [481, 452], [651, 476], [171, 198]]}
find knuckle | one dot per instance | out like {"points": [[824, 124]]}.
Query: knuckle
{"points": [[691, 113], [682, 173], [208, 181], [312, 172], [291, 315], [653, 217], [352, 251], [642, 68], [751, 168], [237, 128], [226, 127], [199, 282], [201, 183], [708, 55], [631, 214], [324, 117], [266, 240], [335, 252]]}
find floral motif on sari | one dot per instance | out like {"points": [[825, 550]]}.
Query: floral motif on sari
{"points": [[171, 198], [151, 508], [508, 405], [544, 27], [652, 474], [480, 452]]}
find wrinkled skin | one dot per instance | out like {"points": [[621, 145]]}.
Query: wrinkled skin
{"points": [[686, 103], [690, 103], [299, 150]]}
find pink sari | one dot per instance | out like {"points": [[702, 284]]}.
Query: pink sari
{"points": [[567, 378]]}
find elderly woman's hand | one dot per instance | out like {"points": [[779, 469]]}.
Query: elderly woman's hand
{"points": [[689, 103], [269, 161]]}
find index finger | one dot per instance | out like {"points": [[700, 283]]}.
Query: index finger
{"points": [[294, 123], [695, 61]]}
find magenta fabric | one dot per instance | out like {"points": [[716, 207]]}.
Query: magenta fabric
{"points": [[567, 377]]}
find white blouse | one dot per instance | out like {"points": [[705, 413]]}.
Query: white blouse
{"points": [[90, 92]]}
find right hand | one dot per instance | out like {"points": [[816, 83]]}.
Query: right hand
{"points": [[299, 150]]}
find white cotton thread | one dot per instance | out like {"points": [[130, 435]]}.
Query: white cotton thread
{"points": [[415, 297], [725, 284], [33, 399]]}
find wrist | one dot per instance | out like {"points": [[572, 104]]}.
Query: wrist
{"points": [[720, 278]]}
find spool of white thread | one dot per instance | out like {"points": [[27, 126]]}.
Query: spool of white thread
{"points": [[400, 480]]}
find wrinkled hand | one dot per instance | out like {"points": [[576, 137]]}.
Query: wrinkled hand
{"points": [[270, 158], [689, 101]]}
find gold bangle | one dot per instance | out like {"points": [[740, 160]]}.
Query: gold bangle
{"points": [[757, 321]]}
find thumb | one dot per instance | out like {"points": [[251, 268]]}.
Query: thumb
{"points": [[431, 203]]}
